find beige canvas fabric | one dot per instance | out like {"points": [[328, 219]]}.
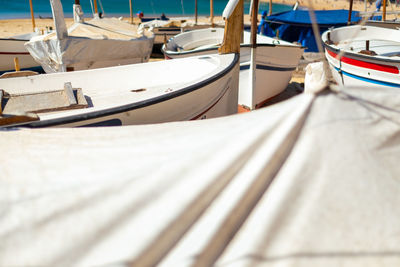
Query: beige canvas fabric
{"points": [[313, 181]]}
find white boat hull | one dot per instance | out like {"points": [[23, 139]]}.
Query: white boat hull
{"points": [[275, 62], [350, 64], [143, 93], [12, 48]]}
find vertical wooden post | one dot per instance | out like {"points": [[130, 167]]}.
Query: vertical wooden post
{"points": [[212, 13], [253, 55], [270, 8], [350, 11], [32, 15], [254, 15], [384, 11], [96, 11], [16, 64], [131, 11], [195, 12], [233, 31]]}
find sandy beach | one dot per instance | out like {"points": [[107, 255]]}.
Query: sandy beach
{"points": [[13, 27], [19, 26], [327, 4]]}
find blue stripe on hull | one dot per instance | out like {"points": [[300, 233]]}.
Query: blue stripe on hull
{"points": [[367, 79], [265, 67]]}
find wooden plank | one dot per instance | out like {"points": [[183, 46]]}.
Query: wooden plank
{"points": [[17, 119], [233, 30], [63, 99]]}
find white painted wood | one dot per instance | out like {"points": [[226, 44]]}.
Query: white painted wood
{"points": [[350, 41], [276, 60], [109, 89], [59, 21], [14, 47]]}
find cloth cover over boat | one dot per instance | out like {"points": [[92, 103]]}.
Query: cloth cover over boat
{"points": [[313, 181], [296, 25], [92, 44]]}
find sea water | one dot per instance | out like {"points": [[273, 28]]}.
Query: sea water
{"points": [[151, 8]]}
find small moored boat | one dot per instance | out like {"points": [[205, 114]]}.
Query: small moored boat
{"points": [[364, 55], [275, 61], [152, 92]]}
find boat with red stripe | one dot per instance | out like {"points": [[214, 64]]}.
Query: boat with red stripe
{"points": [[363, 55]]}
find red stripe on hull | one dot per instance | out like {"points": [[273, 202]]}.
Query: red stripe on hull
{"points": [[14, 53], [367, 65]]}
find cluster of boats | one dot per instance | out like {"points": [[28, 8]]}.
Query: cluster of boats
{"points": [[97, 56], [309, 181]]}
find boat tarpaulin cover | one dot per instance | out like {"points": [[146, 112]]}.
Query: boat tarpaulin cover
{"points": [[106, 40], [312, 181], [324, 17], [296, 25]]}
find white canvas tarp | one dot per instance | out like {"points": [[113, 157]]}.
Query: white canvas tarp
{"points": [[99, 41], [313, 181], [95, 43]]}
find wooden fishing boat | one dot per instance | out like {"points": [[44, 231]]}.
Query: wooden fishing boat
{"points": [[166, 29], [97, 43], [13, 47], [132, 94], [275, 61], [364, 55]]}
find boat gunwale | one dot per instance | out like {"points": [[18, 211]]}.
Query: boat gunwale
{"points": [[381, 59], [168, 52], [129, 107]]}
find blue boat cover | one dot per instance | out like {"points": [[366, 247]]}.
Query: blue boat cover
{"points": [[324, 17], [296, 26]]}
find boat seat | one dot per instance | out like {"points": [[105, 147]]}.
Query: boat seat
{"points": [[44, 101], [368, 52]]}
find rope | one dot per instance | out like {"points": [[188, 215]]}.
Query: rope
{"points": [[91, 5]]}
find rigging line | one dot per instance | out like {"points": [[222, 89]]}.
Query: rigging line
{"points": [[101, 7], [183, 9], [91, 5], [152, 7]]}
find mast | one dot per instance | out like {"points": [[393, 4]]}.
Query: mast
{"points": [[96, 10], [270, 8], [32, 16], [253, 45], [233, 16], [384, 11], [212, 13], [350, 11], [131, 11], [195, 12]]}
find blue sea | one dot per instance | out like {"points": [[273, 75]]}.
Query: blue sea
{"points": [[151, 8]]}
